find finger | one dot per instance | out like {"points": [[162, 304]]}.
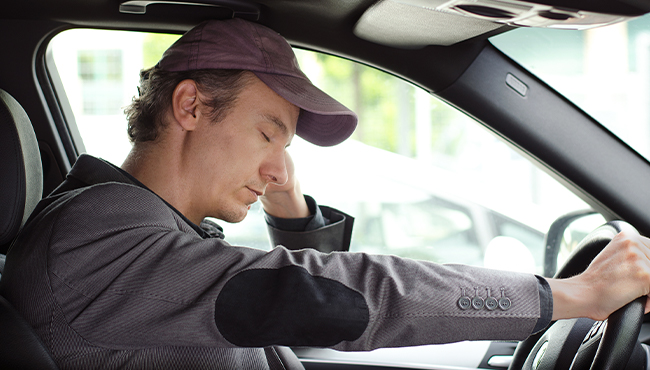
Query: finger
{"points": [[630, 240], [642, 244]]}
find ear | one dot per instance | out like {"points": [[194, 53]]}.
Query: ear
{"points": [[185, 103]]}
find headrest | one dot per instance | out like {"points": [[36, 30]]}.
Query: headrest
{"points": [[21, 173]]}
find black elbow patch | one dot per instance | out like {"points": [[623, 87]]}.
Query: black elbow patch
{"points": [[290, 307]]}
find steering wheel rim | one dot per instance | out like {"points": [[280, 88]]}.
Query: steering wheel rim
{"points": [[620, 337], [622, 330]]}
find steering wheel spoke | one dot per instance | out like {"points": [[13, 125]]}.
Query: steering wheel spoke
{"points": [[555, 349]]}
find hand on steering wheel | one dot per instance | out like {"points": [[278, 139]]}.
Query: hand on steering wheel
{"points": [[584, 343]]}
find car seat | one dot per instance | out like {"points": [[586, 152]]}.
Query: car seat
{"points": [[21, 178], [21, 187]]}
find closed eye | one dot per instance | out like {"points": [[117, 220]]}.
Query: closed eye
{"points": [[266, 137]]}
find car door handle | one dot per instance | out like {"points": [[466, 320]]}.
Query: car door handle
{"points": [[500, 361]]}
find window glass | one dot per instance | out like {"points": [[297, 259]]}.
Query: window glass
{"points": [[421, 179], [100, 75], [605, 71]]}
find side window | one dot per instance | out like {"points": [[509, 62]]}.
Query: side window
{"points": [[99, 71], [434, 229], [431, 229], [100, 74], [421, 179], [526, 235]]}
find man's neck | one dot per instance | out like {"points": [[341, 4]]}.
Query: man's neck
{"points": [[160, 171]]}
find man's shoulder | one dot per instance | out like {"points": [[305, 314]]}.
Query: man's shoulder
{"points": [[106, 211], [113, 188], [89, 170], [102, 205], [111, 198]]}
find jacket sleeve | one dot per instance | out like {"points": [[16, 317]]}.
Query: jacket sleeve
{"points": [[135, 275], [334, 236]]}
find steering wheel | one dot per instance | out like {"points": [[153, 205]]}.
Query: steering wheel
{"points": [[578, 344]]}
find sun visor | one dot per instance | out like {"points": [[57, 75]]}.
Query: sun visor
{"points": [[411, 26], [562, 14]]}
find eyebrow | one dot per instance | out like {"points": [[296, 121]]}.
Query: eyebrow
{"points": [[278, 122]]}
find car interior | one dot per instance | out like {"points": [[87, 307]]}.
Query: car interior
{"points": [[447, 49]]}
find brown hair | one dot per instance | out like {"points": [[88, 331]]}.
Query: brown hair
{"points": [[146, 113]]}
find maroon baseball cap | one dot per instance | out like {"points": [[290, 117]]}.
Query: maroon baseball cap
{"points": [[239, 44]]}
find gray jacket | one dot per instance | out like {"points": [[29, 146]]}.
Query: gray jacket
{"points": [[111, 276]]}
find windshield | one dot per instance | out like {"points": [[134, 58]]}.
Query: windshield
{"points": [[605, 71]]}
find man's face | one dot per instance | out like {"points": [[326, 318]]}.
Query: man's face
{"points": [[244, 152]]}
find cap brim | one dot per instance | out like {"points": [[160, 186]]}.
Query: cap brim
{"points": [[323, 120]]}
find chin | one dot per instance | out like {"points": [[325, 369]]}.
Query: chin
{"points": [[232, 215]]}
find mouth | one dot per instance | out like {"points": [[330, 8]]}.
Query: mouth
{"points": [[255, 193]]}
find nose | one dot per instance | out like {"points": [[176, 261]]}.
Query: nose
{"points": [[274, 170]]}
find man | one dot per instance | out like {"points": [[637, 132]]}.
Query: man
{"points": [[118, 269]]}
